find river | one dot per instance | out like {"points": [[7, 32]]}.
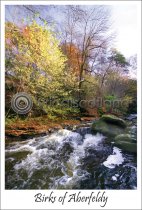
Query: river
{"points": [[69, 159]]}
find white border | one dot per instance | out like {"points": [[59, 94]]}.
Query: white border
{"points": [[24, 199], [52, 2]]}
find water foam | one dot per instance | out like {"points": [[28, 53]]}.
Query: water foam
{"points": [[59, 156], [41, 158], [74, 161], [115, 159]]}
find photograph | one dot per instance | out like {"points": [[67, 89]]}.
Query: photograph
{"points": [[71, 96]]}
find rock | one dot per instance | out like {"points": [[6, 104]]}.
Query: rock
{"points": [[65, 151], [127, 146], [19, 155], [87, 119], [114, 120], [123, 137], [126, 142], [109, 125], [115, 129], [50, 130], [78, 118]]}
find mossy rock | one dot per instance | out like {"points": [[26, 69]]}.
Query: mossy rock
{"points": [[108, 129], [123, 137], [127, 146], [18, 155], [114, 120]]}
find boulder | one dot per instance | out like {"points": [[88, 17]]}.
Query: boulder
{"points": [[127, 146], [109, 125], [123, 137], [114, 120], [126, 142], [115, 129]]}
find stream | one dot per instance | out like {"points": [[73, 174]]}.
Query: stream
{"points": [[69, 159]]}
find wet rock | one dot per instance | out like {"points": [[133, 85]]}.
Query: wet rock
{"points": [[127, 146], [123, 137], [126, 142], [108, 129], [94, 158], [109, 125], [132, 130], [50, 130], [114, 120], [83, 130], [66, 150], [18, 155]]}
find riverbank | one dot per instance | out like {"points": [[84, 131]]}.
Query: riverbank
{"points": [[38, 126]]}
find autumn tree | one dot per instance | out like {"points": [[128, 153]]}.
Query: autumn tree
{"points": [[73, 58], [34, 57], [87, 29]]}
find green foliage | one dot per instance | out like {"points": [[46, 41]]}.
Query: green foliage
{"points": [[110, 97], [100, 111], [90, 87], [119, 59], [38, 64]]}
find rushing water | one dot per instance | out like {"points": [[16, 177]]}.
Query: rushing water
{"points": [[69, 160]]}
